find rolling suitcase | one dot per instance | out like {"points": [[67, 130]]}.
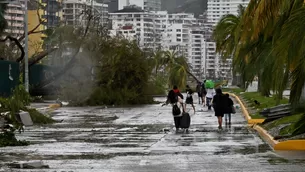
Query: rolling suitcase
{"points": [[185, 120]]}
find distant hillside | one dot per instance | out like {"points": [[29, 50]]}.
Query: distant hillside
{"points": [[189, 6]]}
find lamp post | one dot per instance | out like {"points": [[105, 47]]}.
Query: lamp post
{"points": [[26, 48]]}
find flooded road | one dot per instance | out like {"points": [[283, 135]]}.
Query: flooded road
{"points": [[143, 139]]}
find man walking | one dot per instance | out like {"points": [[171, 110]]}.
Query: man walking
{"points": [[209, 96]]}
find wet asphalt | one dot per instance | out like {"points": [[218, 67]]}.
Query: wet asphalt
{"points": [[143, 139]]}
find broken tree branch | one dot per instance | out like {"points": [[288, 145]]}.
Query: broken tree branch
{"points": [[40, 56], [73, 59], [33, 31], [15, 40]]}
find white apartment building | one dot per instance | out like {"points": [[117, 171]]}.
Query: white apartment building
{"points": [[216, 67], [73, 12], [197, 53], [134, 23], [15, 18], [160, 30], [185, 36], [146, 5], [218, 8]]}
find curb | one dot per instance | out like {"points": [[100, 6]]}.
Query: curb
{"points": [[266, 136], [294, 145], [245, 111], [289, 145]]}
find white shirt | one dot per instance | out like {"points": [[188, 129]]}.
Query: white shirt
{"points": [[210, 93]]}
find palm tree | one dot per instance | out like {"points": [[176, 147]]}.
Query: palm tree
{"points": [[268, 43], [227, 36]]}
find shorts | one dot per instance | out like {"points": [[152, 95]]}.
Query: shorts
{"points": [[189, 100]]}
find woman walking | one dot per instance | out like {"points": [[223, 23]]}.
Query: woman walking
{"points": [[189, 97], [220, 104]]}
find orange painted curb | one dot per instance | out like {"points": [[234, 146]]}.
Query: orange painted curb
{"points": [[295, 145], [290, 145], [256, 121], [266, 136], [245, 111], [54, 106]]}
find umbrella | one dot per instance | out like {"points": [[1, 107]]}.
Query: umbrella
{"points": [[209, 84]]}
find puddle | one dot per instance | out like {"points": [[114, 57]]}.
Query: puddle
{"points": [[246, 150]]}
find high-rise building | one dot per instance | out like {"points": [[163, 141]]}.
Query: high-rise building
{"points": [[73, 12], [146, 5], [218, 8], [160, 30], [52, 13], [52, 17], [216, 66], [14, 16], [134, 23]]}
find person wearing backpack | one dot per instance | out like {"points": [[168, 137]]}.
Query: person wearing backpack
{"points": [[229, 109], [175, 98], [189, 97]]}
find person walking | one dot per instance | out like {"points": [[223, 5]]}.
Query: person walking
{"points": [[199, 92], [189, 97], [209, 96], [220, 105], [229, 109], [175, 98], [204, 93]]}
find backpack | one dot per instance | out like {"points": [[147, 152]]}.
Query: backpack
{"points": [[176, 110]]}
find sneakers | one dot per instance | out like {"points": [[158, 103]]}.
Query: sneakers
{"points": [[220, 127]]}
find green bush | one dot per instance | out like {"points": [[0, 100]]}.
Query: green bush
{"points": [[9, 139], [18, 101], [123, 75]]}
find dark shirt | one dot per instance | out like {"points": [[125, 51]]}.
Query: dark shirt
{"points": [[220, 103]]}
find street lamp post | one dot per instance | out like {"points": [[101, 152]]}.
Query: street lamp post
{"points": [[26, 48]]}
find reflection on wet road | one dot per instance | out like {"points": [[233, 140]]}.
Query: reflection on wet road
{"points": [[142, 139]]}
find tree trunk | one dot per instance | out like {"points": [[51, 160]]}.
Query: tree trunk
{"points": [[40, 56], [193, 76]]}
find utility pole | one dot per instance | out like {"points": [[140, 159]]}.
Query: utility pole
{"points": [[26, 48]]}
